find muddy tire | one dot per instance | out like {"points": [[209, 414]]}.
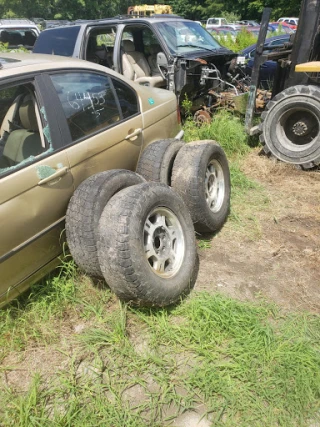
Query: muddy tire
{"points": [[290, 126], [84, 211], [146, 245], [156, 161], [201, 177]]}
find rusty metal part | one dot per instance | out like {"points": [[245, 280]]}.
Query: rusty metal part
{"points": [[202, 116], [262, 98], [226, 99], [222, 99]]}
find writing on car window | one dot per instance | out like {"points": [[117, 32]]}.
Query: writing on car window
{"points": [[88, 102]]}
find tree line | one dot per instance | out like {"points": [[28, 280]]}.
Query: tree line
{"points": [[191, 9]]}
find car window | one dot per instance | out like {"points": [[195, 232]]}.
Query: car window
{"points": [[18, 37], [88, 101], [100, 46], [277, 42], [57, 41], [174, 34], [21, 136], [149, 41], [127, 98]]}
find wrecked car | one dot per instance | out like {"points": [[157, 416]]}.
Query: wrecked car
{"points": [[160, 51]]}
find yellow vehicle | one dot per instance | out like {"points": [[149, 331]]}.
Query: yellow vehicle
{"points": [[149, 9]]}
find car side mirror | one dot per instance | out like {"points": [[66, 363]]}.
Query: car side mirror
{"points": [[162, 60]]}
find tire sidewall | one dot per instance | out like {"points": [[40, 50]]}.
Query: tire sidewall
{"points": [[215, 152], [147, 288], [168, 161], [273, 134], [174, 286]]}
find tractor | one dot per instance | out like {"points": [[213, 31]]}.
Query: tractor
{"points": [[290, 124]]}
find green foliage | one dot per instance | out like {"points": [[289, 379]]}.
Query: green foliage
{"points": [[192, 9], [230, 16], [186, 106], [226, 128], [4, 48]]}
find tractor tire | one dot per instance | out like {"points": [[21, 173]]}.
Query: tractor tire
{"points": [[146, 245], [156, 161], [84, 211], [201, 177], [290, 126]]}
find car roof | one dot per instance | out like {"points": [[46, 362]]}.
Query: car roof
{"points": [[122, 18], [17, 23], [18, 63]]}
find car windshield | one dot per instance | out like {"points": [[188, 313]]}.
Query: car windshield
{"points": [[186, 36]]}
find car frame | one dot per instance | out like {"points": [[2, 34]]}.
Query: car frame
{"points": [[62, 121]]}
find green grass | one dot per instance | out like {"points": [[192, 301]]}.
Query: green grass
{"points": [[226, 128], [114, 365], [245, 364]]}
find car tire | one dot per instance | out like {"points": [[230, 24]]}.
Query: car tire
{"points": [[290, 126], [156, 161], [201, 177], [146, 245], [84, 211]]}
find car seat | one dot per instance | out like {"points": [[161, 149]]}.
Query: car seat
{"points": [[15, 39], [154, 49], [25, 142], [29, 39], [98, 54], [136, 67]]}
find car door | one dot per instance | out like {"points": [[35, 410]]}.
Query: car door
{"points": [[36, 185], [104, 121]]}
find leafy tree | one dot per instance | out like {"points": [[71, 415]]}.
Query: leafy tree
{"points": [[192, 9]]}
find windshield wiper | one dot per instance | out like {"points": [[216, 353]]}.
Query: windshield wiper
{"points": [[194, 45]]}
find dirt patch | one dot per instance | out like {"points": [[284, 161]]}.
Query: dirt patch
{"points": [[281, 262]]}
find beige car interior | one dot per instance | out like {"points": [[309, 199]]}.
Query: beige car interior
{"points": [[25, 141], [136, 66], [99, 54]]}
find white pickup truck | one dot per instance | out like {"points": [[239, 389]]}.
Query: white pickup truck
{"points": [[215, 22]]}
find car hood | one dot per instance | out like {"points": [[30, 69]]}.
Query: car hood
{"points": [[209, 56]]}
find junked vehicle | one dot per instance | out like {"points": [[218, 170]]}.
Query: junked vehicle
{"points": [[162, 51], [17, 33], [215, 22], [72, 133], [292, 22]]}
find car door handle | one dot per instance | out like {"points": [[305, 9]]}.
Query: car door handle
{"points": [[54, 175], [136, 132]]}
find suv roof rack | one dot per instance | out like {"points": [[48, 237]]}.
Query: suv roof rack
{"points": [[16, 21]]}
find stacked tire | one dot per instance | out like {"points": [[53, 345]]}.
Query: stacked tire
{"points": [[198, 172], [137, 232]]}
